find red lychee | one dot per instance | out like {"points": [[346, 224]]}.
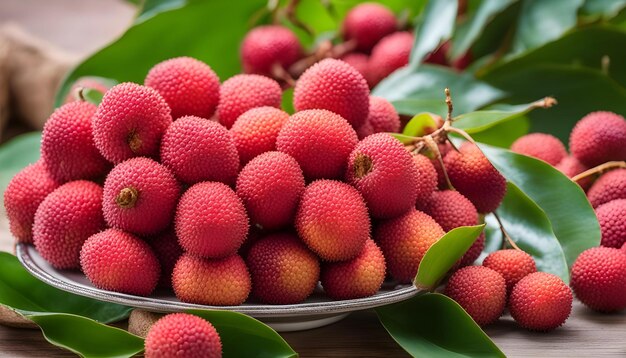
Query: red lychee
{"points": [[386, 175], [255, 131], [116, 261], [168, 251], [283, 270], [481, 292], [390, 54], [268, 46], [65, 219], [541, 146], [332, 220], [612, 219], [608, 187], [540, 302], [359, 61], [426, 178], [599, 278], [599, 137], [130, 122], [22, 197], [182, 335], [367, 23], [513, 265], [221, 282], [404, 241], [211, 220], [336, 86], [319, 140], [196, 149], [240, 93], [140, 196], [570, 166], [189, 86], [270, 187], [382, 116]]}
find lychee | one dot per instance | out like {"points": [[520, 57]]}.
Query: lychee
{"points": [[67, 147], [385, 174], [540, 302], [390, 54], [359, 61], [189, 86], [268, 46], [599, 137], [130, 122], [474, 176], [612, 219], [211, 220], [117, 261], [22, 197], [512, 264], [196, 149], [404, 241], [182, 335], [426, 178], [319, 140], [332, 220], [570, 166], [360, 277], [283, 270], [217, 282], [140, 196], [382, 116], [336, 86], [65, 219], [255, 131], [599, 278], [270, 187], [240, 93], [608, 187], [541, 146], [481, 292], [367, 23], [168, 251]]}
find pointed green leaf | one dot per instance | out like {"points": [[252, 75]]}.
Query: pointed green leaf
{"points": [[416, 127], [433, 325], [436, 25], [604, 8], [505, 133]]}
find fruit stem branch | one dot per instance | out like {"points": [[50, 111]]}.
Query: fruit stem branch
{"points": [[504, 233], [292, 16], [432, 145], [599, 170], [80, 94], [449, 104], [278, 71]]}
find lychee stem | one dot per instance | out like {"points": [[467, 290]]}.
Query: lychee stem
{"points": [[449, 104], [505, 234], [432, 145], [134, 142], [80, 94], [362, 165], [291, 15], [279, 72], [127, 197], [598, 170]]}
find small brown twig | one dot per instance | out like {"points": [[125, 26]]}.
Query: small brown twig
{"points": [[598, 170], [434, 148], [449, 104], [279, 72], [80, 95], [504, 233], [292, 16]]}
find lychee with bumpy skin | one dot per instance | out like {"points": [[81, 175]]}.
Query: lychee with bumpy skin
{"points": [[140, 196], [283, 270], [168, 251], [221, 282], [182, 335], [130, 122], [390, 54], [360, 277], [382, 116], [196, 149], [481, 292], [385, 174], [404, 241], [240, 93], [367, 23], [65, 219], [570, 166], [211, 220], [336, 86], [332, 220], [426, 178], [475, 177], [359, 61], [610, 186], [540, 302], [599, 278], [541, 146], [189, 86], [270, 187], [67, 147], [117, 261], [599, 137], [319, 140], [512, 264], [612, 219], [22, 197], [267, 46], [255, 131]]}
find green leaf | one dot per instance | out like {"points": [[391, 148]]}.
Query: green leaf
{"points": [[531, 230], [87, 337], [416, 127], [573, 220], [21, 291], [444, 253], [604, 8], [433, 325], [542, 21], [504, 134], [287, 101], [151, 8], [17, 154], [93, 96], [436, 25], [244, 336]]}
